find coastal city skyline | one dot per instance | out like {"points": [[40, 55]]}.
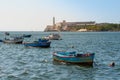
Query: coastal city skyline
{"points": [[35, 15]]}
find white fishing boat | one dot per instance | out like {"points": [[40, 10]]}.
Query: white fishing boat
{"points": [[16, 40], [54, 36], [12, 39]]}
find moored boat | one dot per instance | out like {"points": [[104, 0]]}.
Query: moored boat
{"points": [[27, 36], [74, 58], [40, 43], [15, 40], [54, 37], [1, 40]]}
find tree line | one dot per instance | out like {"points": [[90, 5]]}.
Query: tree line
{"points": [[97, 27]]}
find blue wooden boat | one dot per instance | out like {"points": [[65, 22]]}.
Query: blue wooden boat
{"points": [[74, 58], [40, 43]]}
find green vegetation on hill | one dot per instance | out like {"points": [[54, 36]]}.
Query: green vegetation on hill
{"points": [[97, 27]]}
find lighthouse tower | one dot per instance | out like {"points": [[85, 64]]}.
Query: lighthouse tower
{"points": [[54, 26], [53, 21]]}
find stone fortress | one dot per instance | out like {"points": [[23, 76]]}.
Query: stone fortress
{"points": [[64, 26]]}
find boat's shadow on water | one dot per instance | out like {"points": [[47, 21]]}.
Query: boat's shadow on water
{"points": [[71, 64]]}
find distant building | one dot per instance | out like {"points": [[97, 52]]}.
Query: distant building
{"points": [[80, 23], [82, 30], [50, 28]]}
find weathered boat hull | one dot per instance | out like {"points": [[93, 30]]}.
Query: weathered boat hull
{"points": [[86, 59], [42, 44], [13, 42]]}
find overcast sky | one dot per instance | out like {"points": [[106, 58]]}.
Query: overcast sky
{"points": [[35, 15]]}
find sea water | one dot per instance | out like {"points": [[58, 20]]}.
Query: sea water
{"points": [[18, 62]]}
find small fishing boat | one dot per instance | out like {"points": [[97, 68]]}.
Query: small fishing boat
{"points": [[7, 33], [53, 37], [74, 58], [15, 40], [40, 43], [1, 40], [27, 36]]}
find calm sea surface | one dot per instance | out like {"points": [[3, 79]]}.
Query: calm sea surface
{"points": [[18, 62]]}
